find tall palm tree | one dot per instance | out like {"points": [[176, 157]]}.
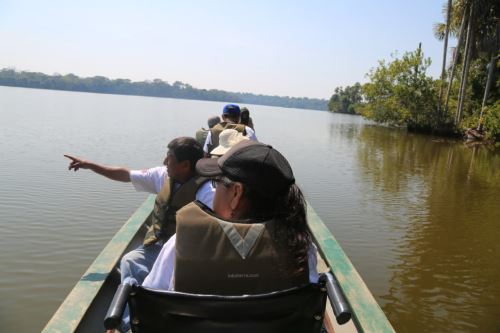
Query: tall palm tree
{"points": [[481, 17], [494, 52], [445, 48]]}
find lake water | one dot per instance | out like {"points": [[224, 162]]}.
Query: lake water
{"points": [[418, 216]]}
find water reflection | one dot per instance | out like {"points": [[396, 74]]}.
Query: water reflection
{"points": [[445, 268], [347, 131]]}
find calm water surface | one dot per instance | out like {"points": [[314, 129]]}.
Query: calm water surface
{"points": [[418, 216]]}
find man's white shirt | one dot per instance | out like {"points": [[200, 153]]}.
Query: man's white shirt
{"points": [[152, 180]]}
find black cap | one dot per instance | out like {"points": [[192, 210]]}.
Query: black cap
{"points": [[259, 166]]}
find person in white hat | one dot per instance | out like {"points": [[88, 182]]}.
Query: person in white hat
{"points": [[230, 120], [227, 139]]}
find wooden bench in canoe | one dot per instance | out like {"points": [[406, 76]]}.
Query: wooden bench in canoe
{"points": [[85, 307]]}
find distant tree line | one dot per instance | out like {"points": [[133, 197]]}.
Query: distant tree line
{"points": [[154, 88]]}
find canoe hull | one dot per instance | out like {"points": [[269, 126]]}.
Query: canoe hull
{"points": [[85, 307]]}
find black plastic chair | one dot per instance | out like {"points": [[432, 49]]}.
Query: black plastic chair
{"points": [[298, 309]]}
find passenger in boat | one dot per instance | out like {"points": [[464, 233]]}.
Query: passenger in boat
{"points": [[245, 118], [255, 239], [201, 134], [230, 120], [176, 184], [227, 139]]}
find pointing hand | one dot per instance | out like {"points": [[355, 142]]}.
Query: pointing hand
{"points": [[76, 163]]}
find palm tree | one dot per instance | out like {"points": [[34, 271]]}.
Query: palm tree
{"points": [[445, 48], [494, 53], [481, 17]]}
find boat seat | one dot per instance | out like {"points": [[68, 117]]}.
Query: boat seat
{"points": [[298, 309]]}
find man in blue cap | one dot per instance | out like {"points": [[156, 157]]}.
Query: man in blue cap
{"points": [[230, 120]]}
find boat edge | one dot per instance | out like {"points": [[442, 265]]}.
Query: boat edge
{"points": [[73, 309], [367, 314]]}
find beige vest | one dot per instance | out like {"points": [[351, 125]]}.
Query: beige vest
{"points": [[201, 136], [214, 256], [217, 129], [166, 206]]}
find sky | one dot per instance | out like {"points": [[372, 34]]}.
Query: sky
{"points": [[273, 47]]}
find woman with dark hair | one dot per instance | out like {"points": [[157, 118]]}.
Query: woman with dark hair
{"points": [[255, 240], [245, 118]]}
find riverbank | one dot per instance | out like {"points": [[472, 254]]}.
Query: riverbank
{"points": [[400, 92], [446, 132]]}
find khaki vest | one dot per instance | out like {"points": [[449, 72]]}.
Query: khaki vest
{"points": [[201, 136], [166, 206], [217, 129], [214, 256]]}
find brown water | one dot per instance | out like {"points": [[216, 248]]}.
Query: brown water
{"points": [[418, 216]]}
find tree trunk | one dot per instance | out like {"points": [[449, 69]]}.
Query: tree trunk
{"points": [[465, 71], [445, 49], [494, 54], [419, 54], [455, 59], [491, 71]]}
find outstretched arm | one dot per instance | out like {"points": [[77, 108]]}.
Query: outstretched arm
{"points": [[115, 173]]}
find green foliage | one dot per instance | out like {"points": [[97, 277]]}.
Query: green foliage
{"points": [[474, 96], [400, 92], [346, 100], [482, 16], [491, 121], [156, 88], [485, 19]]}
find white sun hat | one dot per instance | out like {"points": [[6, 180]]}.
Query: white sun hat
{"points": [[227, 139]]}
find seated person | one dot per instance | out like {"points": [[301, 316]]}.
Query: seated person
{"points": [[176, 184], [201, 134], [255, 240], [227, 139], [245, 118], [230, 120]]}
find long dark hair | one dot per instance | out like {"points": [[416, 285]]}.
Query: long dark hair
{"points": [[245, 117], [289, 211]]}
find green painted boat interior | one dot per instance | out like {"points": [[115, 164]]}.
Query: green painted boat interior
{"points": [[367, 314], [84, 308]]}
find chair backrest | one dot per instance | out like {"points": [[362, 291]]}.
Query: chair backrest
{"points": [[294, 310]]}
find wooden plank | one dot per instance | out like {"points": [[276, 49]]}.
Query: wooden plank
{"points": [[367, 314], [69, 314]]}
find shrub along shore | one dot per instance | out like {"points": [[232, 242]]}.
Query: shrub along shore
{"points": [[464, 100]]}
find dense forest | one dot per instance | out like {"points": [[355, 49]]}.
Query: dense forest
{"points": [[155, 88], [465, 99], [346, 99]]}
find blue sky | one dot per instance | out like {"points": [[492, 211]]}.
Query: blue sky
{"points": [[286, 48]]}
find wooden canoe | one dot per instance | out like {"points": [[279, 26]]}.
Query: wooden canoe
{"points": [[85, 307]]}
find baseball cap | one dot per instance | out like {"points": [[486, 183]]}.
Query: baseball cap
{"points": [[257, 165], [231, 110]]}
